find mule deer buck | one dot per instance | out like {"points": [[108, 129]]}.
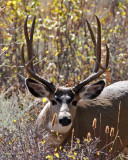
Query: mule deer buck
{"points": [[76, 107]]}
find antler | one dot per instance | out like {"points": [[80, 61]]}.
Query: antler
{"points": [[29, 65], [97, 50]]}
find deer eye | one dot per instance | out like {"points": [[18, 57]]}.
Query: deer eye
{"points": [[53, 102], [74, 103]]}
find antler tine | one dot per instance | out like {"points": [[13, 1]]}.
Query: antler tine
{"points": [[29, 65], [107, 57], [22, 55], [91, 33], [32, 29], [97, 46], [29, 40], [26, 30]]}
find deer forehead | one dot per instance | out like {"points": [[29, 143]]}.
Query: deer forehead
{"points": [[64, 95]]}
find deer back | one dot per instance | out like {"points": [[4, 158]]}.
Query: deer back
{"points": [[105, 108]]}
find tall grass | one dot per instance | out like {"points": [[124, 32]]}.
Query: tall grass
{"points": [[18, 139]]}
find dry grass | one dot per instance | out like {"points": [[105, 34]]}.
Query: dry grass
{"points": [[18, 139]]}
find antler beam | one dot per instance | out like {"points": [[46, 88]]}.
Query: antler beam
{"points": [[97, 50], [29, 65]]}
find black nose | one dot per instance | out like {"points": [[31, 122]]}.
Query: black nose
{"points": [[65, 121]]}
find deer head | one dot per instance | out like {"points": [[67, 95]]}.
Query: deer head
{"points": [[63, 100]]}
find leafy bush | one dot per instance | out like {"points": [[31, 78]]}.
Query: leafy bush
{"points": [[65, 56], [61, 39]]}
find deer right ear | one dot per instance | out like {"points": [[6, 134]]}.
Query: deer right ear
{"points": [[37, 89], [92, 91]]}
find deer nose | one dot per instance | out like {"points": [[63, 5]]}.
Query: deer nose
{"points": [[65, 121]]}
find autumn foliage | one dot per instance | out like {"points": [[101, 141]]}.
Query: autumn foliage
{"points": [[65, 55]]}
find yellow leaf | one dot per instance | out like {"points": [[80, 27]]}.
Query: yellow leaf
{"points": [[44, 100], [9, 38], [110, 149], [56, 53], [5, 48], [75, 153], [14, 121], [98, 153], [56, 9], [123, 13], [9, 143], [57, 155], [78, 141], [85, 140], [69, 156], [31, 119], [50, 157], [22, 119], [9, 3], [43, 141], [120, 4], [57, 134], [14, 2], [7, 55], [54, 80], [92, 5], [47, 52]]}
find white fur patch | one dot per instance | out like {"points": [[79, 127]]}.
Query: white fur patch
{"points": [[42, 116], [59, 128]]}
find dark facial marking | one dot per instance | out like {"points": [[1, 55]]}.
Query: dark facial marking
{"points": [[74, 103], [64, 96], [58, 98], [53, 102]]}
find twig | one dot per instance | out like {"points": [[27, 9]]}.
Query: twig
{"points": [[72, 139]]}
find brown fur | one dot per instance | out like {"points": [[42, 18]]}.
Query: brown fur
{"points": [[107, 104]]}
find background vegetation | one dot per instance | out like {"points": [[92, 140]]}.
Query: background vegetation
{"points": [[65, 56]]}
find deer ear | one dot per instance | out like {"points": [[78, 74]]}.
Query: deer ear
{"points": [[92, 91], [37, 89]]}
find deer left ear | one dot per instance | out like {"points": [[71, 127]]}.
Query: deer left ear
{"points": [[37, 89], [92, 91]]}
